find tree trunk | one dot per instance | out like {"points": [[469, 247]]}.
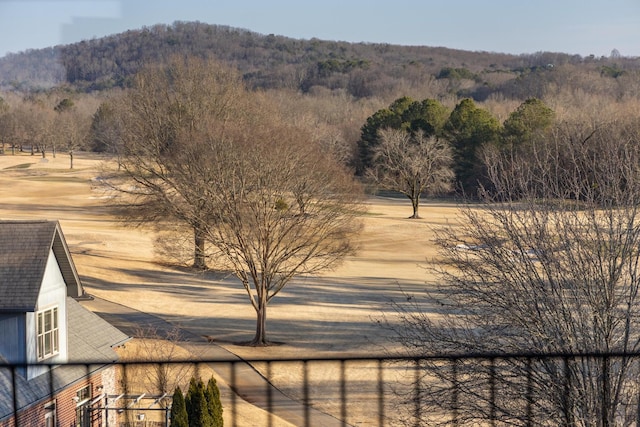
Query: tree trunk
{"points": [[70, 159], [260, 339], [199, 260], [415, 202]]}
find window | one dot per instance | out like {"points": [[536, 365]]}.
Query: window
{"points": [[83, 418], [83, 395], [48, 344], [50, 414]]}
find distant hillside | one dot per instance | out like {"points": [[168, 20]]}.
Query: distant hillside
{"points": [[360, 69]]}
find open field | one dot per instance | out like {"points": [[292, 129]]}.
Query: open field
{"points": [[327, 315]]}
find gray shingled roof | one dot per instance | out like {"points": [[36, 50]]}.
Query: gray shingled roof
{"points": [[24, 250], [90, 338]]}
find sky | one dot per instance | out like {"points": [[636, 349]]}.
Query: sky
{"points": [[583, 27]]}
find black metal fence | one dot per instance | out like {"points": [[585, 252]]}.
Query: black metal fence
{"points": [[498, 389]]}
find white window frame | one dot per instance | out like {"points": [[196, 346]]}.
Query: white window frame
{"points": [[50, 418], [82, 398], [47, 333]]}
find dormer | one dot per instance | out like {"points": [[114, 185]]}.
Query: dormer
{"points": [[37, 275]]}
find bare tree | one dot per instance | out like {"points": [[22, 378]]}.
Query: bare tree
{"points": [[202, 149], [164, 103], [71, 130], [279, 208], [160, 349], [412, 164], [548, 263], [5, 123], [33, 125]]}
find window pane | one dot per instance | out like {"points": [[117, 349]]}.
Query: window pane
{"points": [[84, 394], [47, 344], [47, 321], [55, 341], [55, 318], [40, 331], [40, 347]]}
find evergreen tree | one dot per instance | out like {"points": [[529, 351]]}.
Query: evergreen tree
{"points": [[105, 131], [197, 409], [212, 394], [381, 119], [179, 417], [468, 130], [427, 116], [527, 124]]}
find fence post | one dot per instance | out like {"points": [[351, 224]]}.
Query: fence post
{"points": [[492, 390], [529, 392], [269, 395], [416, 398], [566, 398], [343, 393], [380, 395], [454, 395], [606, 393], [305, 393]]}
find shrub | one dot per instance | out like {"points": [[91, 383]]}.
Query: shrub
{"points": [[179, 417], [212, 394], [197, 409]]}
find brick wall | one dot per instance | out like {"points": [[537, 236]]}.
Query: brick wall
{"points": [[65, 404]]}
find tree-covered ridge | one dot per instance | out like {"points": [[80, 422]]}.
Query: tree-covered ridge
{"points": [[361, 69]]}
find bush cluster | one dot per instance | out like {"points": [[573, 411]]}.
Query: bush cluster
{"points": [[201, 407]]}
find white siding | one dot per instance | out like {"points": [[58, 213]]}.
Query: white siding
{"points": [[53, 292], [12, 336]]}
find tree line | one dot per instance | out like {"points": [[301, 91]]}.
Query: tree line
{"points": [[420, 147], [362, 70], [41, 125]]}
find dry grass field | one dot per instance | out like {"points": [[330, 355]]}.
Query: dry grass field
{"points": [[326, 315]]}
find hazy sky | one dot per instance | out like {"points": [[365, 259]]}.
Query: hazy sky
{"points": [[581, 27]]}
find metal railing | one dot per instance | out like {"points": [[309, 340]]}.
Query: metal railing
{"points": [[452, 390]]}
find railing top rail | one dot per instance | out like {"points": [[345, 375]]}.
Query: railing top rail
{"points": [[347, 358]]}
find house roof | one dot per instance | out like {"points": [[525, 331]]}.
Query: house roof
{"points": [[24, 251], [90, 338]]}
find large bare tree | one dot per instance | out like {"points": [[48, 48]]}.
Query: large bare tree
{"points": [[412, 164], [277, 206], [183, 97], [548, 263], [200, 148]]}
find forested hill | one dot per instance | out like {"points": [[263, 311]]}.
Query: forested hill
{"points": [[361, 69]]}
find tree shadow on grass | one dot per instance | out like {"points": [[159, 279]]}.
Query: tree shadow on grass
{"points": [[311, 315]]}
